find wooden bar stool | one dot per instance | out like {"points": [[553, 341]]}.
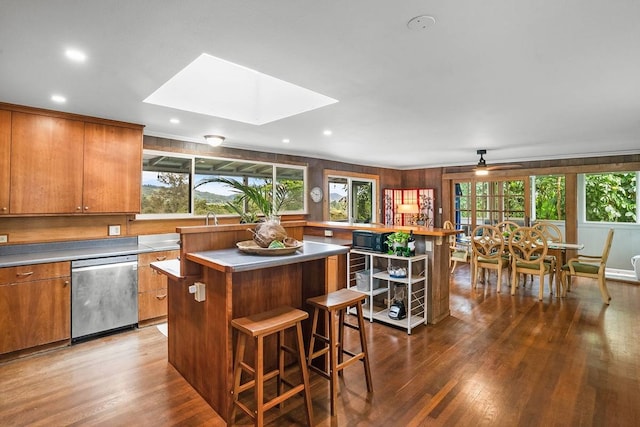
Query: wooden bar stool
{"points": [[258, 326], [337, 303]]}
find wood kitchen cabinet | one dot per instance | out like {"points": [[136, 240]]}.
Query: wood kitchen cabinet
{"points": [[35, 305], [112, 169], [152, 287], [46, 164], [67, 164], [5, 153]]}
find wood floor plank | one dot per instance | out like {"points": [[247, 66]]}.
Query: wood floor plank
{"points": [[498, 360]]}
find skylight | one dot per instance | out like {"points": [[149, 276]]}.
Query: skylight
{"points": [[220, 88]]}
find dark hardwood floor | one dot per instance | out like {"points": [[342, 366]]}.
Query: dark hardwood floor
{"points": [[497, 360]]}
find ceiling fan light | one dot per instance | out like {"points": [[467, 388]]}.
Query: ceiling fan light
{"points": [[482, 172]]}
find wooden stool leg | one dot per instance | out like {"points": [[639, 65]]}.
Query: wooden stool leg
{"points": [[259, 384], [312, 341], [363, 342], [341, 338], [333, 368], [237, 374], [305, 375], [280, 366]]}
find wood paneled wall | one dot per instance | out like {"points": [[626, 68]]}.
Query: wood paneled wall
{"points": [[57, 228]]}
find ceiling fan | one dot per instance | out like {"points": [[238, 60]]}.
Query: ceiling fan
{"points": [[482, 168]]}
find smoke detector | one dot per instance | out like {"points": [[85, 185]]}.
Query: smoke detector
{"points": [[422, 22]]}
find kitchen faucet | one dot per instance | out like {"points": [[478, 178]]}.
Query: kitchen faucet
{"points": [[215, 218]]}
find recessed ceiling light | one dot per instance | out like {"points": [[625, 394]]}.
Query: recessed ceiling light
{"points": [[76, 55], [286, 141], [220, 88], [174, 121], [59, 99], [327, 132]]}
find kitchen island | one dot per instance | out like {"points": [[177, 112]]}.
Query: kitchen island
{"points": [[200, 339]]}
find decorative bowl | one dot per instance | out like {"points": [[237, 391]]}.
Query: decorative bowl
{"points": [[251, 247]]}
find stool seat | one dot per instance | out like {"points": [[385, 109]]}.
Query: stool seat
{"points": [[268, 322], [259, 326], [335, 305], [337, 300]]}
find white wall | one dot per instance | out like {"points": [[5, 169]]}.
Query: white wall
{"points": [[626, 242]]}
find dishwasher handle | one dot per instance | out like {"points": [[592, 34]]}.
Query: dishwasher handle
{"points": [[133, 264]]}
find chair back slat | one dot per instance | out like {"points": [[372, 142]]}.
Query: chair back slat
{"points": [[528, 245], [487, 242]]}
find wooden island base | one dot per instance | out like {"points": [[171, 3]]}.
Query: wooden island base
{"points": [[201, 340]]}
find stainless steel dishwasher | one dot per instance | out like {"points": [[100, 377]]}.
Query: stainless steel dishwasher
{"points": [[104, 295]]}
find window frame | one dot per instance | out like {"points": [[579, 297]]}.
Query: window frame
{"points": [[495, 196], [351, 177], [193, 158], [582, 200]]}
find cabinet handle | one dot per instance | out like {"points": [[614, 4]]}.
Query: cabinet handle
{"points": [[25, 274], [86, 208], [4, 208], [161, 297], [161, 258], [78, 208], [66, 283]]}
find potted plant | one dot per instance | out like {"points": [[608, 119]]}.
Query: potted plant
{"points": [[397, 243]]}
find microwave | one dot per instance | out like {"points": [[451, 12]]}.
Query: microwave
{"points": [[370, 240]]}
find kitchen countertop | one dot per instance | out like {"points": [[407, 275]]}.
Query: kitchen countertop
{"points": [[233, 260], [377, 227], [40, 253]]}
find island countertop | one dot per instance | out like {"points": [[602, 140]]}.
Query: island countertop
{"points": [[233, 260]]}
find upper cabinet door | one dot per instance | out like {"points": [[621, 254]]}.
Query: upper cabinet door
{"points": [[5, 160], [46, 164], [112, 169]]}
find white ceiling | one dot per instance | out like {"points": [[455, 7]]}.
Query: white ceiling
{"points": [[527, 80]]}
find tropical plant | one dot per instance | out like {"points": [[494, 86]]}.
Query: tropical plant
{"points": [[261, 198]]}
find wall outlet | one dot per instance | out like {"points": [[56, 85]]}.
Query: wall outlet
{"points": [[199, 291], [4, 238], [328, 233], [114, 230]]}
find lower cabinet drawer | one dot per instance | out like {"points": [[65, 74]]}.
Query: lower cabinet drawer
{"points": [[152, 304]]}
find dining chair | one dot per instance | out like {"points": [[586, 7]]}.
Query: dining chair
{"points": [[506, 227], [553, 234], [487, 244], [528, 249], [591, 266], [458, 251], [551, 231]]}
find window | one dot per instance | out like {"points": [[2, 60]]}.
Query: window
{"points": [[500, 201], [351, 198], [166, 180], [611, 197], [549, 196], [179, 185], [490, 202], [293, 180]]}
